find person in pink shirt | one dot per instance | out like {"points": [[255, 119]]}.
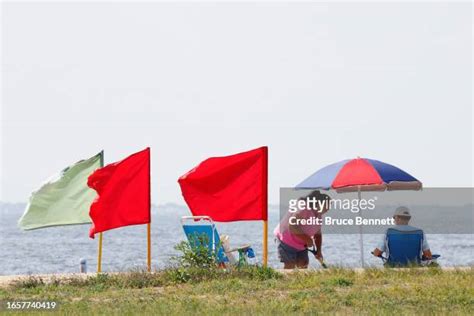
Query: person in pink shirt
{"points": [[297, 231]]}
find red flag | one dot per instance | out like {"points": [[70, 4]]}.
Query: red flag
{"points": [[231, 188], [123, 190]]}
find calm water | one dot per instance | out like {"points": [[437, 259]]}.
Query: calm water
{"points": [[59, 249]]}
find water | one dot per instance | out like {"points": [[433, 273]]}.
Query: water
{"points": [[59, 249]]}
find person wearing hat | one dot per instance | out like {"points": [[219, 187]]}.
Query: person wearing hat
{"points": [[402, 217]]}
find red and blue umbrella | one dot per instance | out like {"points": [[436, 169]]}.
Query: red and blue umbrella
{"points": [[360, 174]]}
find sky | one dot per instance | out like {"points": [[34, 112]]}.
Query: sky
{"points": [[315, 82]]}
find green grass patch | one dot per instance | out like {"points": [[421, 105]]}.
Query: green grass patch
{"points": [[197, 286], [258, 291]]}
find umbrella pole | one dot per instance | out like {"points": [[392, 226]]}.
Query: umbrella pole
{"points": [[361, 235]]}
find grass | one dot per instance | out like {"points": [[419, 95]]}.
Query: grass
{"points": [[195, 285], [256, 290]]}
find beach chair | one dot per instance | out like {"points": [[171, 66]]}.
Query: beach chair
{"points": [[201, 229], [404, 248]]}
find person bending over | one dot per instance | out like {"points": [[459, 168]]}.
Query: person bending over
{"points": [[298, 230]]}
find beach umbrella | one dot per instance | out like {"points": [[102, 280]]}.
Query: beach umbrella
{"points": [[359, 175]]}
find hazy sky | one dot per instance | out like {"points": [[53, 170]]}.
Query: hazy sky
{"points": [[317, 83]]}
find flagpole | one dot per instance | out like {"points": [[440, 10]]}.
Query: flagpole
{"points": [[149, 247], [265, 205], [99, 254], [265, 243], [149, 224]]}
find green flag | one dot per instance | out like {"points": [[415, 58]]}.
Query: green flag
{"points": [[64, 199]]}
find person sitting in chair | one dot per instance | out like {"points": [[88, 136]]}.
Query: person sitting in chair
{"points": [[402, 217]]}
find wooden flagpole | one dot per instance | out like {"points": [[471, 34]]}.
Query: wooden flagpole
{"points": [[99, 254], [265, 206], [149, 224], [149, 247], [265, 243]]}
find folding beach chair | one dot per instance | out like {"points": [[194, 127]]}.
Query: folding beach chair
{"points": [[201, 229], [404, 248]]}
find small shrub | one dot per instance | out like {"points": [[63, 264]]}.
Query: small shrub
{"points": [[198, 263], [196, 254], [177, 275]]}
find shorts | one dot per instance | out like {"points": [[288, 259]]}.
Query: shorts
{"points": [[288, 254]]}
